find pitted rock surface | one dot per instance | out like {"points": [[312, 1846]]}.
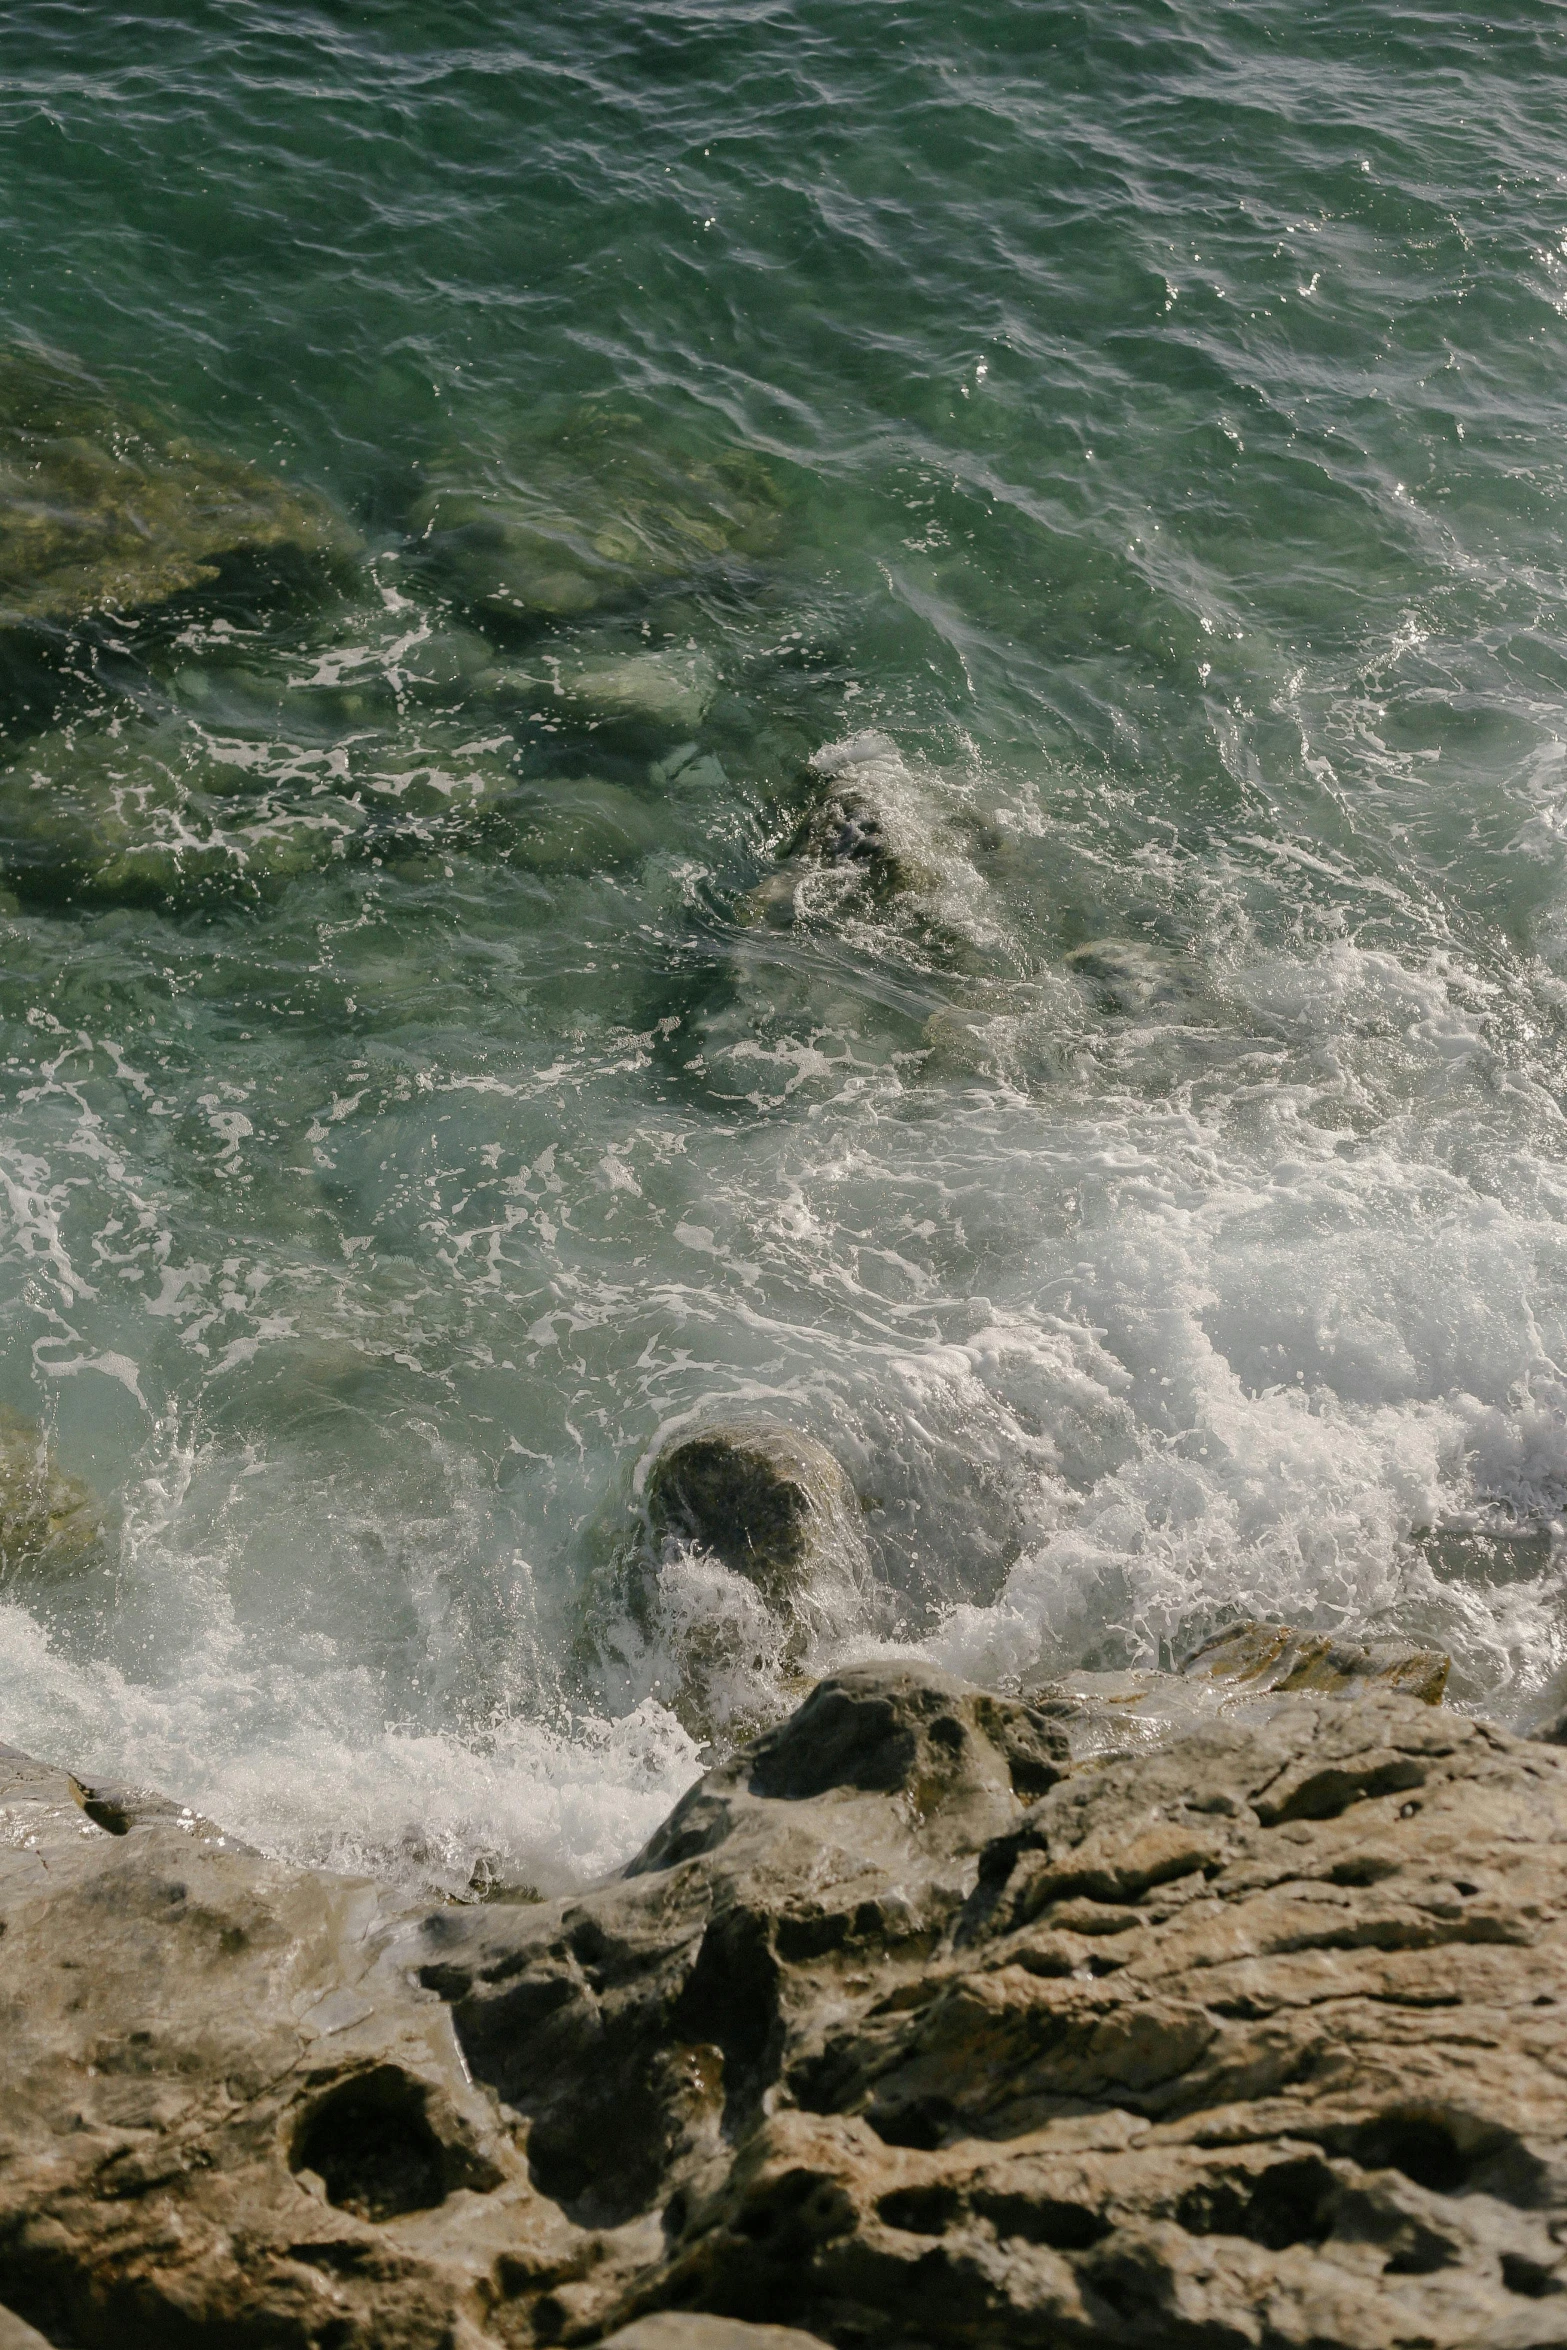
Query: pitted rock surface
{"points": [[900, 2032]]}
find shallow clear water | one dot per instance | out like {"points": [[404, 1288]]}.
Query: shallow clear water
{"points": [[1147, 418]]}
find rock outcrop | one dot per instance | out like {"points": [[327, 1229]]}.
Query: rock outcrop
{"points": [[903, 2031], [873, 837]]}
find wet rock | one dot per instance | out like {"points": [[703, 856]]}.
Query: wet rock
{"points": [[103, 508], [1488, 1554], [869, 834], [900, 2031], [49, 1523], [774, 1504], [587, 517], [1261, 1657]]}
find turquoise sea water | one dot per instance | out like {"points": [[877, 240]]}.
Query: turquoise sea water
{"points": [[1149, 420]]}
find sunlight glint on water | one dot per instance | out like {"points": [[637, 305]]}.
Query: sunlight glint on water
{"points": [[437, 1060]]}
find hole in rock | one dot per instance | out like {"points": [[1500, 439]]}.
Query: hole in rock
{"points": [[1043, 2219], [1421, 2255], [104, 1813], [919, 2122], [1289, 2203], [791, 2215], [370, 2143], [1522, 2275], [1422, 2146], [920, 2211]]}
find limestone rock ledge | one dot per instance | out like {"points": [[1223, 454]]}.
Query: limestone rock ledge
{"points": [[902, 2030]]}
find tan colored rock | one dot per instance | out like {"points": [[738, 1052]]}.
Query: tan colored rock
{"points": [[1276, 1657], [900, 2032], [14, 2335], [104, 509], [686, 2330]]}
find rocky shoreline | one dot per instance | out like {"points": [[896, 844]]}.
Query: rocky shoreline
{"points": [[906, 2029]]}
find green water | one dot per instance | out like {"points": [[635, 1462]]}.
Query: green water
{"points": [[1149, 421]]}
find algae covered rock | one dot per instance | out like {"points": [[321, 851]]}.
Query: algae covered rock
{"points": [[49, 1522], [587, 516], [105, 508]]}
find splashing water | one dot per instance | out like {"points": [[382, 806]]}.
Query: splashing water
{"points": [[928, 799]]}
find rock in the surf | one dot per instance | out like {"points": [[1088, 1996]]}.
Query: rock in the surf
{"points": [[901, 2031], [774, 1505], [880, 838], [869, 833], [105, 508], [50, 1523], [1260, 1657]]}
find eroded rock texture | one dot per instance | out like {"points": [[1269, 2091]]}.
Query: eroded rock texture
{"points": [[901, 2031]]}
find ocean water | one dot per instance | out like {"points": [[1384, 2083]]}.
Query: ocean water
{"points": [[435, 1063]]}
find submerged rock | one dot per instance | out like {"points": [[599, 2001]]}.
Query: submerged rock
{"points": [[159, 808], [584, 825], [1130, 975], [670, 690], [1276, 1657], [900, 2030], [49, 1522], [587, 517], [104, 509]]}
